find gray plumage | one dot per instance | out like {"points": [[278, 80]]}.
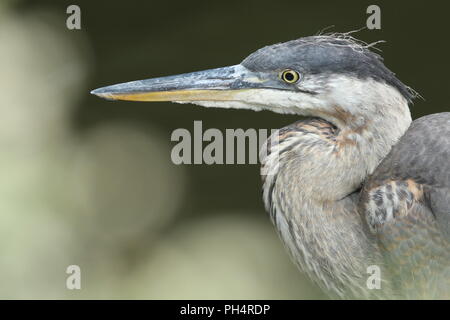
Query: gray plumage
{"points": [[355, 186], [410, 244], [413, 182], [339, 54]]}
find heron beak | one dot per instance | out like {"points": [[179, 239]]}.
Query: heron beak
{"points": [[221, 84]]}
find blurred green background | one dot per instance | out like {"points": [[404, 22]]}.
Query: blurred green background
{"points": [[90, 182]]}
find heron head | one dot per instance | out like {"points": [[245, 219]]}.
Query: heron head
{"points": [[328, 76]]}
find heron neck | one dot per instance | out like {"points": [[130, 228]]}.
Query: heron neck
{"points": [[310, 190]]}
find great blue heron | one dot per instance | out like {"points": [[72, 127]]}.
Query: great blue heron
{"points": [[354, 185]]}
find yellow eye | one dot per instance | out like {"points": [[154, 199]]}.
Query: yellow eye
{"points": [[289, 76]]}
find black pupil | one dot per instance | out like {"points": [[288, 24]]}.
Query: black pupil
{"points": [[289, 76]]}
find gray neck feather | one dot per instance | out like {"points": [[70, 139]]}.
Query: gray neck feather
{"points": [[310, 189]]}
